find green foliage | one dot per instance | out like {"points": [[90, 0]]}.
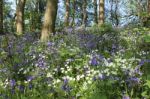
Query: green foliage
{"points": [[104, 28], [82, 65], [146, 91]]}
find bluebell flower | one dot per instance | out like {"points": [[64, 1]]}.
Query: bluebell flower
{"points": [[101, 57], [21, 88], [135, 79], [66, 87], [66, 81], [114, 46], [42, 63], [141, 63], [90, 45], [132, 81], [148, 60], [49, 44], [30, 78], [12, 91], [94, 78], [30, 86], [94, 61], [137, 71], [12, 82], [125, 97]]}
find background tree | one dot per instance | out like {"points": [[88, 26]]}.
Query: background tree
{"points": [[147, 22], [73, 12], [33, 13], [67, 12], [20, 16], [101, 12], [114, 12], [149, 6], [49, 19], [1, 16], [95, 12], [84, 11]]}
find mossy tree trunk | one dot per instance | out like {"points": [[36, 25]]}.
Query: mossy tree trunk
{"points": [[49, 19], [20, 17]]}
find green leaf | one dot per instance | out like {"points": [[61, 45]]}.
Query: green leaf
{"points": [[147, 38], [148, 83], [144, 94]]}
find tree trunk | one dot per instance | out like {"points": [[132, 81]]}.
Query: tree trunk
{"points": [[101, 12], [1, 16], [84, 20], [149, 8], [116, 13], [73, 14], [49, 19], [148, 14], [111, 12], [38, 15], [20, 17], [67, 3], [95, 12]]}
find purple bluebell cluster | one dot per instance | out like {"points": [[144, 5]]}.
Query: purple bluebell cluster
{"points": [[65, 85], [94, 61], [30, 78], [84, 59], [125, 97], [21, 88], [12, 82]]}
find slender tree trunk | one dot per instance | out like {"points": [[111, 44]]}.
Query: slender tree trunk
{"points": [[95, 12], [67, 3], [32, 25], [101, 12], [84, 20], [1, 16], [20, 17], [148, 19], [38, 18], [111, 11], [116, 12], [149, 7], [73, 14], [49, 19]]}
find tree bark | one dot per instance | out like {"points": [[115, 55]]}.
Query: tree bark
{"points": [[73, 14], [101, 12], [67, 3], [148, 13], [20, 17], [1, 16], [84, 20], [111, 11], [95, 12], [49, 19], [116, 13], [149, 9]]}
